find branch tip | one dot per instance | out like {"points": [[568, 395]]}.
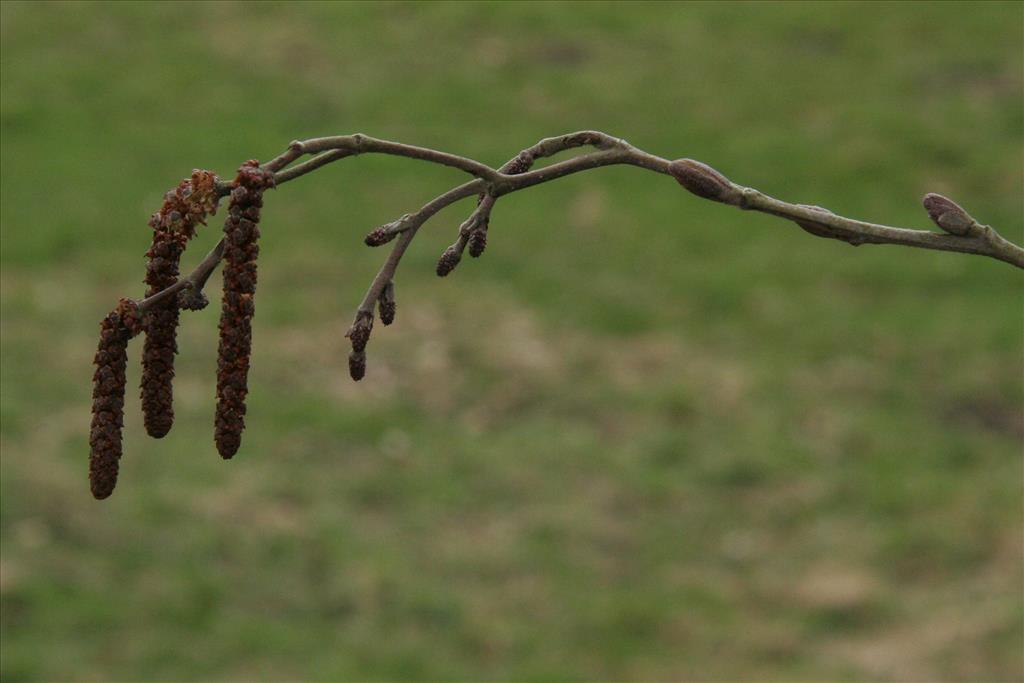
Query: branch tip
{"points": [[357, 365]]}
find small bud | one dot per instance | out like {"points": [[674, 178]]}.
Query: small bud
{"points": [[386, 304], [817, 229], [478, 242], [449, 259], [379, 236], [359, 333], [192, 300], [702, 180], [357, 365], [948, 215], [521, 163], [827, 231]]}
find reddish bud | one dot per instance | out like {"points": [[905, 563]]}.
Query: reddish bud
{"points": [[702, 180], [948, 215], [379, 236]]}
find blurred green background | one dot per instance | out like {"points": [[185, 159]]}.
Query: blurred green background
{"points": [[645, 437]]}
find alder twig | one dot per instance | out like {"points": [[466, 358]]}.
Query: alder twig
{"points": [[492, 184], [961, 232]]}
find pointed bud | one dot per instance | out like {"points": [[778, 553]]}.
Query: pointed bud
{"points": [[948, 215], [357, 365], [703, 181], [449, 259]]}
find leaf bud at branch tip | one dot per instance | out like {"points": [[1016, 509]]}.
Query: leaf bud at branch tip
{"points": [[703, 181], [948, 215]]}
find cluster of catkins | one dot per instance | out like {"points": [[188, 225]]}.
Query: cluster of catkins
{"points": [[174, 225], [184, 208]]}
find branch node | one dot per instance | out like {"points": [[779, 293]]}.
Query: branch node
{"points": [[192, 298]]}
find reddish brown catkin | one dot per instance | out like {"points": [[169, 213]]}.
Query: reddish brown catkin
{"points": [[108, 384], [521, 163], [173, 226], [386, 305], [241, 231]]}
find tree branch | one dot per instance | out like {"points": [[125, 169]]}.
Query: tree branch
{"points": [[195, 198], [518, 174]]}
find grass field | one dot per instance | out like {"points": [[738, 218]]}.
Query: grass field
{"points": [[645, 437]]}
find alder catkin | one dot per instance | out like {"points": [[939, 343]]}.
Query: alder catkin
{"points": [[521, 163], [173, 226], [478, 239], [450, 258], [379, 236], [108, 386], [241, 231], [359, 333], [386, 304], [357, 365]]}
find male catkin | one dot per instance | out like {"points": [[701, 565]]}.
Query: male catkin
{"points": [[173, 226], [241, 232], [108, 384]]}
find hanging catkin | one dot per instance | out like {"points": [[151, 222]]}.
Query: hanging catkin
{"points": [[108, 383], [241, 231], [173, 226]]}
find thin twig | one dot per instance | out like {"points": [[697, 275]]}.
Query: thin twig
{"points": [[981, 239]]}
